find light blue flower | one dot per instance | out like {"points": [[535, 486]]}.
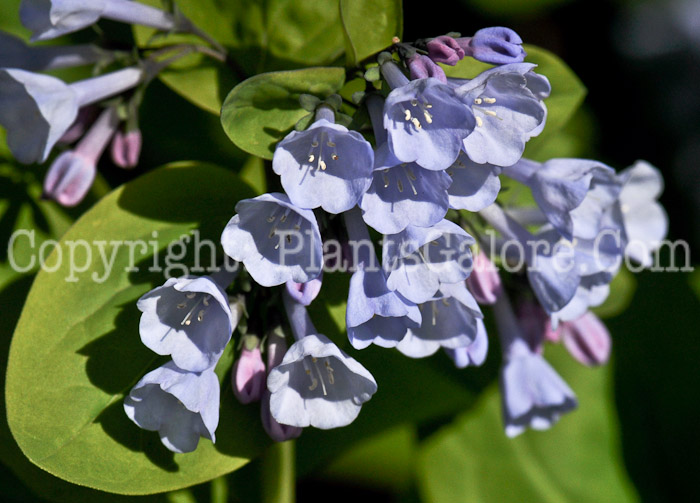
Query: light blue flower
{"points": [[425, 121], [474, 186], [497, 45], [276, 241], [181, 406], [419, 260], [507, 112], [14, 53], [188, 318], [38, 109], [449, 321], [49, 19], [327, 165]]}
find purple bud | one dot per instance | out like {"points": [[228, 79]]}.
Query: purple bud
{"points": [[126, 148], [69, 178], [496, 45], [248, 377], [587, 339], [445, 50], [422, 67], [304, 293], [484, 282]]}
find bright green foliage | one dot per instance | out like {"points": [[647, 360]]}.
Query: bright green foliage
{"points": [[370, 26], [260, 111], [76, 350]]}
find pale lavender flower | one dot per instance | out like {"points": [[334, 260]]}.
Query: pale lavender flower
{"points": [[276, 241], [14, 53], [181, 406], [189, 319], [327, 165], [38, 109], [474, 186], [474, 354], [276, 349]]}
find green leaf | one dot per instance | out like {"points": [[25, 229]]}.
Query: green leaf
{"points": [[260, 111], [370, 26], [259, 36], [76, 351], [577, 460], [567, 96]]}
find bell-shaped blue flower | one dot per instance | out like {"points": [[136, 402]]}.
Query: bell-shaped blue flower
{"points": [[419, 260], [188, 318], [374, 313], [15, 53], [591, 292], [49, 19], [400, 193], [425, 120], [449, 321], [474, 186], [474, 354], [497, 45], [507, 112], [275, 240], [572, 193], [327, 165], [181, 406], [38, 109]]}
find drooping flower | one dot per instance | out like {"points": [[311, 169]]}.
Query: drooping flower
{"points": [[533, 394], [126, 148], [327, 165], [484, 282], [71, 175], [181, 406], [419, 260], [316, 384], [275, 240], [14, 53], [474, 354], [496, 45], [507, 105], [400, 193], [374, 314], [449, 321], [591, 292], [49, 19], [637, 211], [444, 49], [188, 318], [38, 109], [424, 119], [248, 375], [474, 186]]}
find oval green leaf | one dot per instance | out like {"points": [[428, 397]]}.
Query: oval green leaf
{"points": [[76, 351], [370, 26], [260, 111]]}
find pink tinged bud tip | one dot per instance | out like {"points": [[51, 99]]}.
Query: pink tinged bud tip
{"points": [[71, 175], [587, 339], [248, 377], [445, 50], [304, 293], [422, 67], [484, 282], [126, 148]]}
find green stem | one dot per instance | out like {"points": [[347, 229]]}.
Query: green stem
{"points": [[278, 473]]}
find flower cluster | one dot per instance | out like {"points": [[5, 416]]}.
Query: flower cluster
{"points": [[40, 111], [440, 149]]}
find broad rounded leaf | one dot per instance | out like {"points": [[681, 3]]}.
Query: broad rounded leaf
{"points": [[370, 26], [76, 351], [260, 111]]}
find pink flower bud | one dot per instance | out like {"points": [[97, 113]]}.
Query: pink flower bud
{"points": [[422, 67], [248, 377], [69, 178], [484, 281], [587, 339], [445, 50], [126, 148]]}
